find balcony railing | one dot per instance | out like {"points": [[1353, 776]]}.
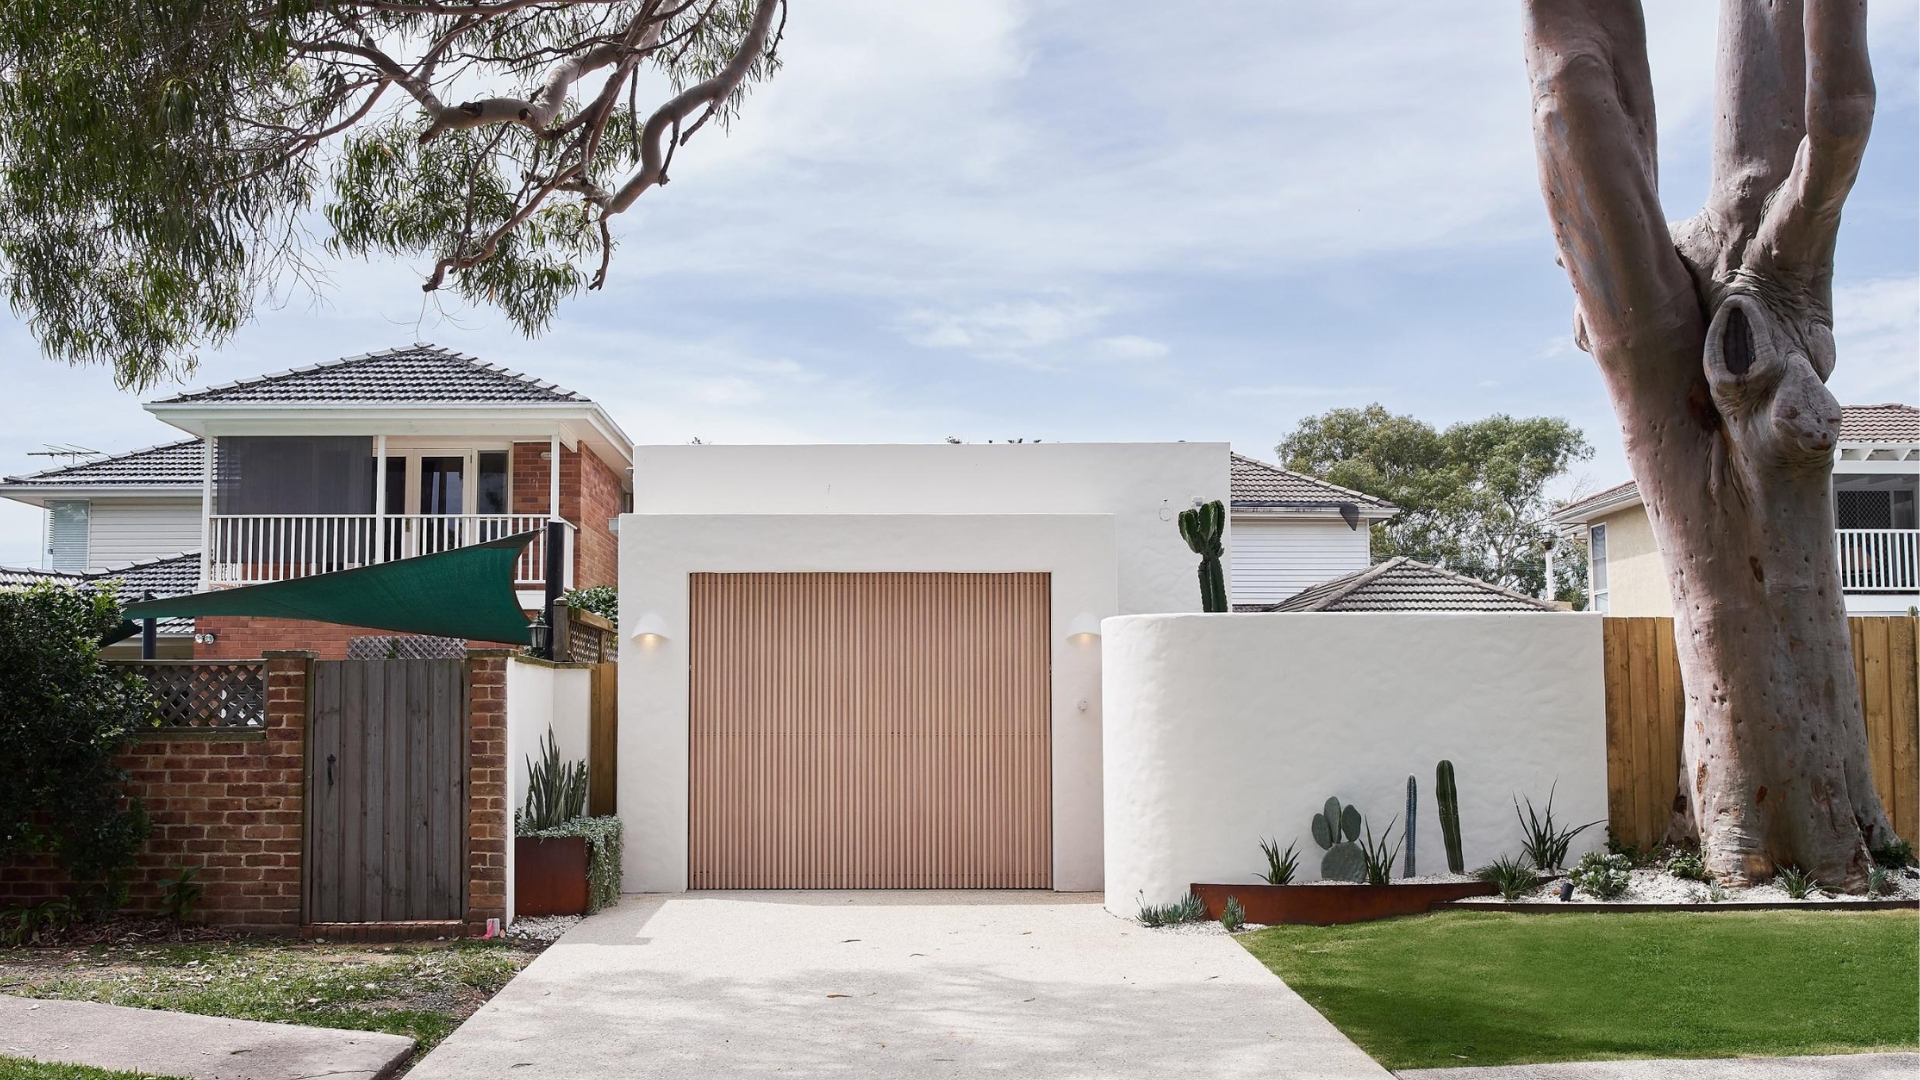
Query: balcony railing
{"points": [[249, 549], [1879, 560]]}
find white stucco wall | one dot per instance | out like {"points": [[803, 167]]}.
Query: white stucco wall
{"points": [[1141, 485], [542, 696], [659, 551], [1224, 729]]}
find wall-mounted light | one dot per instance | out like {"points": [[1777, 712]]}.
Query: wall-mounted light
{"points": [[1084, 627], [649, 629]]}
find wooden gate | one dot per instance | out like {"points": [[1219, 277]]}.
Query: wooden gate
{"points": [[870, 731], [386, 791], [1646, 706]]}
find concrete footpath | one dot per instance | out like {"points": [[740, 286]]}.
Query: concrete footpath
{"points": [[182, 1044], [894, 985], [1835, 1067]]}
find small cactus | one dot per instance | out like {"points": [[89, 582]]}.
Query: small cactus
{"points": [[1336, 829], [1203, 528], [1413, 806], [1448, 797]]}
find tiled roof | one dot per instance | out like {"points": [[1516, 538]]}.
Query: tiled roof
{"points": [[176, 464], [1891, 422], [1618, 492], [170, 575], [1401, 584], [1256, 484], [417, 374]]}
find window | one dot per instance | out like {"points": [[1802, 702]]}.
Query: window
{"points": [[493, 483], [1863, 509], [67, 541], [1597, 566]]}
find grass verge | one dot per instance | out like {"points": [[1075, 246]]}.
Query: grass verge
{"points": [[17, 1068], [1466, 988], [420, 991]]}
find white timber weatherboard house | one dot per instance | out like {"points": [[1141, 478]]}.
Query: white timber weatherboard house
{"points": [[1290, 531], [1876, 486]]}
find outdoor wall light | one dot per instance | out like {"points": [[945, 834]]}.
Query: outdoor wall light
{"points": [[650, 628], [1084, 627]]}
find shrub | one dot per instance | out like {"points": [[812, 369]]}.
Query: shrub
{"points": [[556, 791], [1547, 840], [1876, 882], [1512, 877], [1604, 876], [1798, 883], [64, 718], [1688, 866], [1233, 916], [36, 924], [1184, 910], [1895, 855], [1617, 846], [180, 894], [1280, 868], [602, 600]]}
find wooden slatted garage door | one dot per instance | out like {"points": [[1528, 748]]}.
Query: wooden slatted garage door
{"points": [[870, 731]]}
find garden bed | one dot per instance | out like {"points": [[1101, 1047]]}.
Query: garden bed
{"points": [[1335, 904], [1657, 889], [1537, 906]]}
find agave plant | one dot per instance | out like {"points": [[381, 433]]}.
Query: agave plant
{"points": [[556, 790], [1280, 867], [1547, 840], [1512, 877], [1378, 857]]}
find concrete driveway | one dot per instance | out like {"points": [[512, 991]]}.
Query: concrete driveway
{"points": [[891, 985]]}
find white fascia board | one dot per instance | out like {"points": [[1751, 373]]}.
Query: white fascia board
{"points": [[522, 421], [40, 494], [1856, 467], [1623, 501], [1370, 515]]}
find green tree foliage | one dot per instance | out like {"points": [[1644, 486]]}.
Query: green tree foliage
{"points": [[64, 716], [1472, 498], [161, 164]]}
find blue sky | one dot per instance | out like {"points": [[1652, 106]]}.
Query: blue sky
{"points": [[1077, 221]]}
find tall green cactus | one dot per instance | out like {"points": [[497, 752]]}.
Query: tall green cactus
{"points": [[1413, 818], [1204, 528], [1448, 796]]}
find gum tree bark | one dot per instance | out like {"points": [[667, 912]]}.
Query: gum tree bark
{"points": [[1714, 337]]}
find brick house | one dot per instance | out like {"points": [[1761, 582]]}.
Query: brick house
{"points": [[343, 464]]}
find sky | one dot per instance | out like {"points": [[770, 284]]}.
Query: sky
{"points": [[1062, 220]]}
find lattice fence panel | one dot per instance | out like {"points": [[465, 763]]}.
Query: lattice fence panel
{"points": [[411, 647], [203, 694]]}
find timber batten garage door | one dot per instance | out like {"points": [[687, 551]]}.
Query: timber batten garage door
{"points": [[870, 731]]}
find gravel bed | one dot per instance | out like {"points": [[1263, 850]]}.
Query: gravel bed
{"points": [[1660, 887], [545, 930]]}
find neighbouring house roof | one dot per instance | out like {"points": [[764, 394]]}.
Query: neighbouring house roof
{"points": [[169, 465], [1887, 423], [169, 575], [421, 374], [1402, 584], [1257, 486]]}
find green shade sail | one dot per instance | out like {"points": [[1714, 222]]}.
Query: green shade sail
{"points": [[464, 593]]}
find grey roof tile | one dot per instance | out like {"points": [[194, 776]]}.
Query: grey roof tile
{"points": [[1255, 483], [1402, 584], [169, 575], [176, 464], [416, 374]]}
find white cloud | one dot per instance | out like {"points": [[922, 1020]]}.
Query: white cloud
{"points": [[1003, 329], [1133, 347]]}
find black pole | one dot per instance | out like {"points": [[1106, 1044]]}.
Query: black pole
{"points": [[556, 561], [149, 634]]}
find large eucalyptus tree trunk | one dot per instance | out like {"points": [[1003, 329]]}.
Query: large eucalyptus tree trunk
{"points": [[1715, 340]]}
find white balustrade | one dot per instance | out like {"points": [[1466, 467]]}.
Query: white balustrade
{"points": [[1879, 560], [250, 549]]}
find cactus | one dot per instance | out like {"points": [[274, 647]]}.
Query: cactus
{"points": [[1336, 829], [1448, 798], [1203, 528], [1413, 806]]}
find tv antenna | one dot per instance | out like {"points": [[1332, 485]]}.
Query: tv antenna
{"points": [[73, 452]]}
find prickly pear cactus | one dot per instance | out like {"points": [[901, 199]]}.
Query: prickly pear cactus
{"points": [[1336, 828], [1413, 816]]}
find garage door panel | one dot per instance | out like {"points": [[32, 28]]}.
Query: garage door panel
{"points": [[870, 731]]}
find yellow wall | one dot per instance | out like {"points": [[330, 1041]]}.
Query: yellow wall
{"points": [[1636, 578]]}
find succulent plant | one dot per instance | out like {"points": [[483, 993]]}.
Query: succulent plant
{"points": [[1337, 829], [1202, 528], [1447, 796], [1413, 815]]}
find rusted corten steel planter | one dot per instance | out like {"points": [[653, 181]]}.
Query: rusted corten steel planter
{"points": [[549, 875], [1333, 905]]}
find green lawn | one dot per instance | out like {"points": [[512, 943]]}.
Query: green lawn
{"points": [[13, 1068], [1467, 988]]}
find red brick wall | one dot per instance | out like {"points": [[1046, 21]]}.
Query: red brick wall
{"points": [[590, 496], [243, 637], [229, 804], [489, 819]]}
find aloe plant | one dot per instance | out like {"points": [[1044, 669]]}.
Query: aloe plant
{"points": [[556, 790], [1204, 528]]}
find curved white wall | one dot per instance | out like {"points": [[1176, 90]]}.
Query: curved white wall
{"points": [[1223, 729]]}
